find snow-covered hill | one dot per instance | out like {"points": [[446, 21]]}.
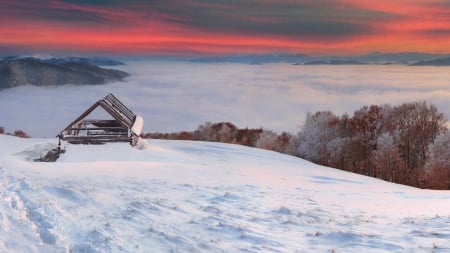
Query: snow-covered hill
{"points": [[176, 196]]}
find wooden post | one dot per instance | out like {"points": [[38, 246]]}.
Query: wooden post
{"points": [[59, 144]]}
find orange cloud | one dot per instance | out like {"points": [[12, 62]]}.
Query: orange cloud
{"points": [[248, 26]]}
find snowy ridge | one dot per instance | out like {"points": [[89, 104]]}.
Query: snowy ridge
{"points": [[177, 196]]}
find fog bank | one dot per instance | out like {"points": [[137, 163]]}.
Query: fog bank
{"points": [[174, 96]]}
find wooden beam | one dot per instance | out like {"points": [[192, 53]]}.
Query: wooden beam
{"points": [[82, 116], [124, 121], [120, 106]]}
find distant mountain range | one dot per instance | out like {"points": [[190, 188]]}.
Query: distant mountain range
{"points": [[334, 62], [256, 59], [435, 62], [406, 58], [22, 71]]}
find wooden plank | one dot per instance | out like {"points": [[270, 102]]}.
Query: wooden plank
{"points": [[99, 128], [104, 123], [116, 102], [124, 121], [107, 133], [121, 108], [51, 155], [96, 139]]}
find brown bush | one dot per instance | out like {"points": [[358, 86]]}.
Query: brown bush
{"points": [[21, 134]]}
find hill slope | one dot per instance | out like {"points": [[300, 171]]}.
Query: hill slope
{"points": [[31, 71], [176, 196], [98, 61]]}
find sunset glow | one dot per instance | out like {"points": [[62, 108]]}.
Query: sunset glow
{"points": [[192, 27]]}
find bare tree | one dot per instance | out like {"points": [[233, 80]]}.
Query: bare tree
{"points": [[268, 140], [318, 130], [417, 125], [438, 165]]}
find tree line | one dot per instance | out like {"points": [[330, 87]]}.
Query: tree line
{"points": [[407, 144]]}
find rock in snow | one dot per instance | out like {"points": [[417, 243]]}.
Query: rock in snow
{"points": [[180, 196]]}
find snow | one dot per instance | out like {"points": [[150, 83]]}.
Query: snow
{"points": [[180, 196], [138, 125]]}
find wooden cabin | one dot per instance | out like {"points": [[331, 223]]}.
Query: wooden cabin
{"points": [[125, 126]]}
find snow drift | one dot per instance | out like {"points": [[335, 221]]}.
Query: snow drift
{"points": [[177, 196]]}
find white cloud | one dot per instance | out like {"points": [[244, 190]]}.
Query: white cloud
{"points": [[173, 96]]}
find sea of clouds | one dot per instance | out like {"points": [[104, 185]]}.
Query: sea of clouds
{"points": [[174, 96]]}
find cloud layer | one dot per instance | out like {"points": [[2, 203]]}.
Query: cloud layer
{"points": [[174, 96], [215, 27]]}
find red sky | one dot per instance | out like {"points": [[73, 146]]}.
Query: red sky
{"points": [[193, 27]]}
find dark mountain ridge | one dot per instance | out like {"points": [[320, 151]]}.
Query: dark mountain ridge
{"points": [[31, 71], [99, 61], [406, 58], [433, 62]]}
